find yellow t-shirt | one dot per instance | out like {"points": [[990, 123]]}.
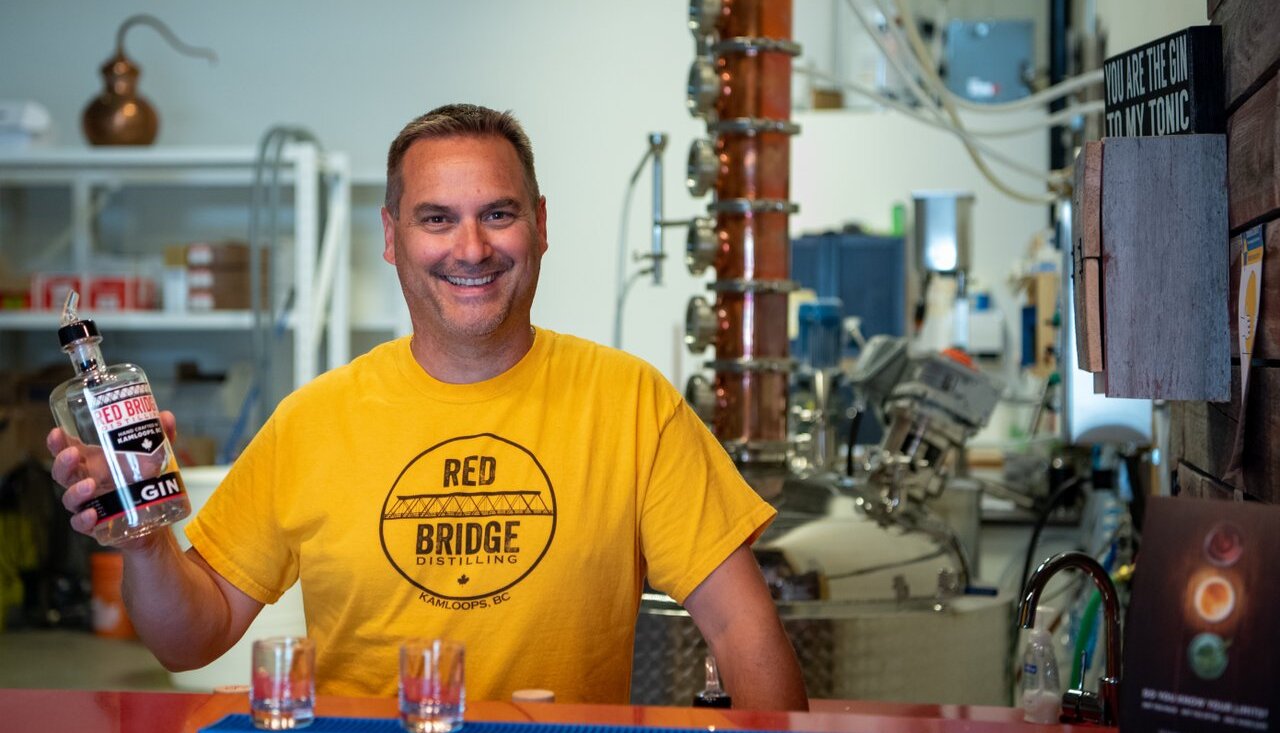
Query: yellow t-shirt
{"points": [[519, 515]]}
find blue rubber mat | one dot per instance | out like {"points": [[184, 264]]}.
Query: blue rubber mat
{"points": [[240, 723]]}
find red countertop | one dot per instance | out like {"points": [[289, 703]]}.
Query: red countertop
{"points": [[84, 711]]}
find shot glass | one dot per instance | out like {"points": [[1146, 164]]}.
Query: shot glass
{"points": [[282, 695], [433, 693]]}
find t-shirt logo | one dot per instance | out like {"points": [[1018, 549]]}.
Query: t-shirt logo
{"points": [[469, 518]]}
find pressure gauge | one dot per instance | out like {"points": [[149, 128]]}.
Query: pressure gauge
{"points": [[704, 87], [700, 248], [703, 16], [701, 396], [699, 324], [703, 167]]}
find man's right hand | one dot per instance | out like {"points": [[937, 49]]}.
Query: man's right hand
{"points": [[82, 470], [189, 614]]}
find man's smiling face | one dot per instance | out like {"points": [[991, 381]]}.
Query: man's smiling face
{"points": [[468, 241]]}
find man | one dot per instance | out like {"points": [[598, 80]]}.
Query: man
{"points": [[483, 481]]}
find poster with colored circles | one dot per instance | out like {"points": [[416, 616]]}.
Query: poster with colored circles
{"points": [[1202, 635]]}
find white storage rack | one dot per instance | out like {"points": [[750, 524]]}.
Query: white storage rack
{"points": [[321, 262]]}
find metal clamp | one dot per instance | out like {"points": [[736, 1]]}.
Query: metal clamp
{"points": [[759, 206], [751, 364], [756, 451], [753, 126], [740, 285], [755, 45]]}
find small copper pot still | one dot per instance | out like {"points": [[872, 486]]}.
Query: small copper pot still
{"points": [[119, 115]]}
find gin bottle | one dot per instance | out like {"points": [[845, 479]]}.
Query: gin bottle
{"points": [[108, 412]]}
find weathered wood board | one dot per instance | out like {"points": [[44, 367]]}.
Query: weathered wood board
{"points": [[1086, 215], [1164, 267]]}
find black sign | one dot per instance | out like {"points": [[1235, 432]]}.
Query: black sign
{"points": [[1171, 86]]}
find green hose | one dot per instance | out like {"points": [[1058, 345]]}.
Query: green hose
{"points": [[1086, 632]]}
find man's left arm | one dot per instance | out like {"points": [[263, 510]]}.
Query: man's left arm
{"points": [[736, 616]]}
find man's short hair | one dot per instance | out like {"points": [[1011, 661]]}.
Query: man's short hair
{"points": [[457, 120]]}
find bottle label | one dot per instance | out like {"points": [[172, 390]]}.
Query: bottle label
{"points": [[128, 420], [128, 425], [165, 487], [1029, 668]]}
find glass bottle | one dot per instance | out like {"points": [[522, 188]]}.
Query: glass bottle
{"points": [[109, 413], [713, 695]]}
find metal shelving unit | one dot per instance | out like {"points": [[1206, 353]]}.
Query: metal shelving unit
{"points": [[319, 317]]}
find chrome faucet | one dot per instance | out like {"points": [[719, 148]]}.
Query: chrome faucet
{"points": [[1079, 705]]}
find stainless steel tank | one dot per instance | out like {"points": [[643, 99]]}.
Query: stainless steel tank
{"points": [[872, 609]]}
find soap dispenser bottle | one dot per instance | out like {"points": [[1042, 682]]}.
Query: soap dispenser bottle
{"points": [[1041, 686]]}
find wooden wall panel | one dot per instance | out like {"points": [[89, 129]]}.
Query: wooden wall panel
{"points": [[1266, 345], [1262, 449], [1204, 433], [1196, 485], [1253, 152], [1164, 267], [1250, 44]]}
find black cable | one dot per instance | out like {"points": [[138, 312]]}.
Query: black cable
{"points": [[854, 424], [1050, 504]]}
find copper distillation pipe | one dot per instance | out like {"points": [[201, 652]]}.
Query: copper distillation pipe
{"points": [[741, 85]]}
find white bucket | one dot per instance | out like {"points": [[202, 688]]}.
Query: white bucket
{"points": [[282, 618]]}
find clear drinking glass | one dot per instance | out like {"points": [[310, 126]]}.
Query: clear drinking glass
{"points": [[282, 695], [432, 690]]}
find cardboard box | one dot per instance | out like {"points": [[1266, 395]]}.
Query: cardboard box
{"points": [[109, 293], [213, 289], [218, 255], [175, 255]]}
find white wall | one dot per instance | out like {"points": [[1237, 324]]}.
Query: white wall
{"points": [[1130, 23], [589, 79]]}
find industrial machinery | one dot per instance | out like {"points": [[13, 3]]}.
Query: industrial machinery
{"points": [[872, 571], [870, 559]]}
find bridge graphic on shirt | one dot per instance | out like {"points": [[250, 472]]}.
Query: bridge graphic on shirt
{"points": [[459, 504]]}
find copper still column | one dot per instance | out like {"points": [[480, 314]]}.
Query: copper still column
{"points": [[741, 85]]}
